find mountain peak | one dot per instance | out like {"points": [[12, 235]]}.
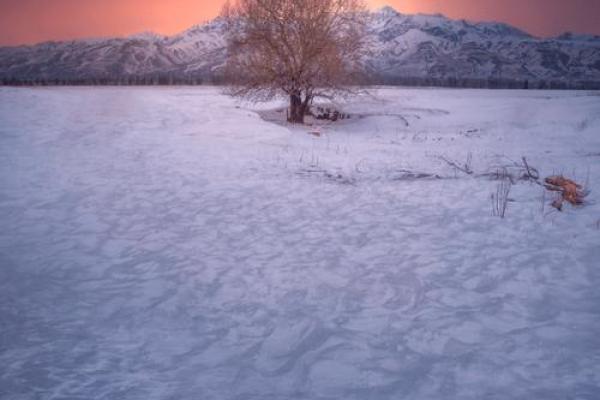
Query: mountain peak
{"points": [[147, 35], [387, 11]]}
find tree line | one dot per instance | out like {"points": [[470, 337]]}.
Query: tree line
{"points": [[485, 83], [173, 80], [128, 80]]}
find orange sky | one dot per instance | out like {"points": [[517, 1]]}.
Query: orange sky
{"points": [[31, 21]]}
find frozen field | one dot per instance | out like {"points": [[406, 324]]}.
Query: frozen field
{"points": [[168, 243]]}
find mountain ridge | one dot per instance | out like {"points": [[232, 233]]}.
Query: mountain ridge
{"points": [[410, 49]]}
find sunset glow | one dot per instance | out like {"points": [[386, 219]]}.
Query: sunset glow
{"points": [[31, 21]]}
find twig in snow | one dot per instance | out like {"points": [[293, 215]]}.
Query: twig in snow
{"points": [[500, 198], [543, 200], [516, 171], [466, 168], [532, 173]]}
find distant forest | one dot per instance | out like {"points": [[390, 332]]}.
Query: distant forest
{"points": [[179, 80]]}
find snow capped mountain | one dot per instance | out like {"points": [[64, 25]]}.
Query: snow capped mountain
{"points": [[434, 48], [408, 49], [140, 58]]}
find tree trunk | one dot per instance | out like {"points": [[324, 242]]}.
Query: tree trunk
{"points": [[306, 105], [296, 109]]}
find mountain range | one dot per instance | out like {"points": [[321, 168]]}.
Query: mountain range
{"points": [[404, 49]]}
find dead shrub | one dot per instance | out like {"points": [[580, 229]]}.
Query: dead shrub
{"points": [[567, 191]]}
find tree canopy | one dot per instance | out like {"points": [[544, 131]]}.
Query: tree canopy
{"points": [[300, 48]]}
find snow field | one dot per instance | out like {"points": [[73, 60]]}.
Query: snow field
{"points": [[168, 243]]}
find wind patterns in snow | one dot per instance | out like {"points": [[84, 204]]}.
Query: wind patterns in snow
{"points": [[164, 243]]}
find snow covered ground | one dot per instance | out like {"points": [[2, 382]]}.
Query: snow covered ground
{"points": [[168, 243]]}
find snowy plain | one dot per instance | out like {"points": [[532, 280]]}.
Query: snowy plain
{"points": [[169, 243]]}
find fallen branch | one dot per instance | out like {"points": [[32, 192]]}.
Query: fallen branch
{"points": [[408, 175], [532, 173], [466, 168], [516, 171]]}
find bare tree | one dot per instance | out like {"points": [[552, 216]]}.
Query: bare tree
{"points": [[301, 48]]}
